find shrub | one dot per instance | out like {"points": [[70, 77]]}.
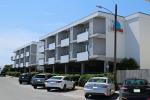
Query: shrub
{"points": [[15, 74]]}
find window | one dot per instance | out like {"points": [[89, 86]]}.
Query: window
{"points": [[98, 80]]}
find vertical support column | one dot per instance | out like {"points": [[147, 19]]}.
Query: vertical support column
{"points": [[66, 69], [82, 68], [53, 69]]}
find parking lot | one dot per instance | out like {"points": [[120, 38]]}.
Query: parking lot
{"points": [[10, 89]]}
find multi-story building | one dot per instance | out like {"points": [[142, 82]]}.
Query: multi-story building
{"points": [[87, 45], [25, 56], [83, 46]]}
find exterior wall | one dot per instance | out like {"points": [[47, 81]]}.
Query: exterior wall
{"points": [[144, 41], [133, 39], [110, 39]]}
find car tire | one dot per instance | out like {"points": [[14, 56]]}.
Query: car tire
{"points": [[35, 87], [20, 82], [87, 96], [73, 86], [48, 89], [64, 88]]}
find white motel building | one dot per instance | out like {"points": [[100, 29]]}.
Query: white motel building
{"points": [[87, 45]]}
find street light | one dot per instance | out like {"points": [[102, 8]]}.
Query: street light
{"points": [[115, 40]]}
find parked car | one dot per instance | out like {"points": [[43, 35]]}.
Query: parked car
{"points": [[25, 77], [39, 80], [59, 82], [99, 86], [135, 88]]}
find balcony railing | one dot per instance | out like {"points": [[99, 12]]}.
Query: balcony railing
{"points": [[17, 65], [51, 46], [41, 49], [83, 56], [64, 59], [82, 37], [17, 57], [27, 64], [41, 62], [27, 53], [51, 60], [21, 65], [65, 42], [21, 56], [41, 56]]}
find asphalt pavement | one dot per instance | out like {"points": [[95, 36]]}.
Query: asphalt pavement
{"points": [[10, 89]]}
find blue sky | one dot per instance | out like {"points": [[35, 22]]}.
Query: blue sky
{"points": [[23, 21]]}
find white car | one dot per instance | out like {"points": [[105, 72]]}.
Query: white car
{"points": [[59, 82], [99, 86]]}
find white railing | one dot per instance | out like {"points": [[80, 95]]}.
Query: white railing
{"points": [[27, 64], [41, 49], [17, 66], [41, 62], [27, 53], [64, 59], [82, 37], [51, 46], [51, 60], [21, 65], [21, 56], [17, 57], [65, 42], [83, 56]]}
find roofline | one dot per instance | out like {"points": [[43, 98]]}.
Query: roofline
{"points": [[127, 17], [92, 15], [33, 42]]}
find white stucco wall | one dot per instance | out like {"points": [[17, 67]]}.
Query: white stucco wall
{"points": [[110, 39], [144, 41]]}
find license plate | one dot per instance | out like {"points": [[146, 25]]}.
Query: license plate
{"points": [[94, 87], [136, 90], [39, 80]]}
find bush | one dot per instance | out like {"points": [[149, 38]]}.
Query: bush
{"points": [[15, 74], [74, 78]]}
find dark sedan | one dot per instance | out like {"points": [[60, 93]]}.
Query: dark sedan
{"points": [[25, 77], [135, 89], [39, 80]]}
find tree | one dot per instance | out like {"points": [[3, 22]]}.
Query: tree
{"points": [[6, 68], [128, 64]]}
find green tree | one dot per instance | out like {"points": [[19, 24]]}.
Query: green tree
{"points": [[7, 68], [128, 64]]}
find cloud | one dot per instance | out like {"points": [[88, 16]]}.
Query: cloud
{"points": [[13, 39]]}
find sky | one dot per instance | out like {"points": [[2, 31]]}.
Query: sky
{"points": [[23, 21]]}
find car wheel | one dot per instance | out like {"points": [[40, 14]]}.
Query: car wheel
{"points": [[73, 86], [87, 96], [64, 88], [48, 89], [20, 82], [35, 87]]}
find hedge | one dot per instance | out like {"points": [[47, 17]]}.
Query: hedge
{"points": [[15, 74]]}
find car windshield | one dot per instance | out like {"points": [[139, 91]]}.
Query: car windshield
{"points": [[57, 78], [40, 76], [98, 80], [135, 82]]}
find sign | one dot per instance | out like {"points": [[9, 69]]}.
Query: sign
{"points": [[118, 26]]}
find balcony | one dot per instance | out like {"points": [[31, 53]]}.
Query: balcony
{"points": [[83, 56], [21, 56], [17, 65], [51, 60], [27, 53], [41, 56], [65, 42], [27, 64], [41, 62], [21, 64], [41, 49], [51, 46], [13, 58], [82, 37], [64, 59], [17, 57]]}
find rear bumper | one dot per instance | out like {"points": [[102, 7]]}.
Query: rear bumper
{"points": [[128, 96], [96, 92]]}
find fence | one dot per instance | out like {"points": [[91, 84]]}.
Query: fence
{"points": [[142, 73]]}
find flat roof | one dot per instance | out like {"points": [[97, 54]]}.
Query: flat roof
{"points": [[33, 42]]}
